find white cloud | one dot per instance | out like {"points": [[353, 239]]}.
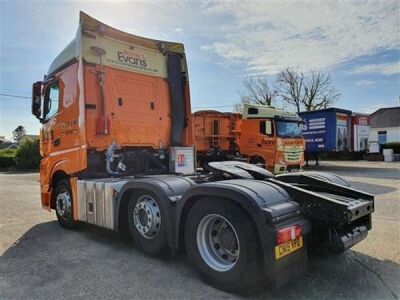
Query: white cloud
{"points": [[266, 37], [261, 36], [385, 69], [366, 82]]}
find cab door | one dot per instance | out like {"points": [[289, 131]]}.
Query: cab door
{"points": [[258, 140], [51, 122], [266, 141], [61, 111]]}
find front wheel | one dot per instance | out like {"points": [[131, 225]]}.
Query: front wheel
{"points": [[222, 243], [259, 161], [64, 204]]}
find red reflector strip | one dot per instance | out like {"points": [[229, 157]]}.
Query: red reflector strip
{"points": [[287, 234]]}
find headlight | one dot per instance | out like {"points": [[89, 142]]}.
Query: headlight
{"points": [[279, 144]]}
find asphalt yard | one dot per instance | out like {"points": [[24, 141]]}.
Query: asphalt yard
{"points": [[41, 260]]}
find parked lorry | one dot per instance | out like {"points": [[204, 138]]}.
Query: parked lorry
{"points": [[118, 153], [327, 130], [260, 135]]}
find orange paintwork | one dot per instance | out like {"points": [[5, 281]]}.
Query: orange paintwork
{"points": [[143, 119], [245, 133], [70, 155], [252, 143], [136, 105], [136, 102], [214, 129]]}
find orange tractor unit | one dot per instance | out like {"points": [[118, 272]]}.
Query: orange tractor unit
{"points": [[261, 135], [117, 152]]}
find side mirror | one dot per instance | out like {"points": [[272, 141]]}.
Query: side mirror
{"points": [[37, 99]]}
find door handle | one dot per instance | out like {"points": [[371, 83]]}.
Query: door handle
{"points": [[56, 142]]}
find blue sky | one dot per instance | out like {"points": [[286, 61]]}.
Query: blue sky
{"points": [[357, 42]]}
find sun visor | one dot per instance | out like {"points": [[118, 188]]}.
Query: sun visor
{"points": [[119, 49]]}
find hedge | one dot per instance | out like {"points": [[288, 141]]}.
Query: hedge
{"points": [[7, 158], [27, 156], [395, 146]]}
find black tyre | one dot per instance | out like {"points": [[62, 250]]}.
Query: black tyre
{"points": [[258, 160], [147, 222], [222, 243], [203, 163], [63, 204]]}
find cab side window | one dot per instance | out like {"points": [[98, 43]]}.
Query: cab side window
{"points": [[52, 100], [266, 127]]}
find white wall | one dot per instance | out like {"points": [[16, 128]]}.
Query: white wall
{"points": [[392, 134]]}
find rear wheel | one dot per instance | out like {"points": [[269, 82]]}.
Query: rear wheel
{"points": [[64, 204], [222, 243], [147, 224]]}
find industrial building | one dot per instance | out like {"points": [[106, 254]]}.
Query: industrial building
{"points": [[385, 125]]}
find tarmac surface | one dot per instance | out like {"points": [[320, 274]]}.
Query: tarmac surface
{"points": [[41, 260]]}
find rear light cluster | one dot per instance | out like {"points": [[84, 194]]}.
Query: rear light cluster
{"points": [[287, 234]]}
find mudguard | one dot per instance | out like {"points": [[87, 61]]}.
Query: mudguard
{"points": [[269, 206], [168, 188], [327, 176]]}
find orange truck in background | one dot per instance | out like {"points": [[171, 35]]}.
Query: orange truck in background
{"points": [[260, 135], [117, 152]]}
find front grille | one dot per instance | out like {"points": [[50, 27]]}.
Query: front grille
{"points": [[292, 154]]}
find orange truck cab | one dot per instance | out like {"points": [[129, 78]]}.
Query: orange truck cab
{"points": [[261, 135], [116, 142], [272, 136], [107, 88]]}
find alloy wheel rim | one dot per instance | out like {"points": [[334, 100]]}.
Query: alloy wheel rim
{"points": [[147, 217], [63, 204]]}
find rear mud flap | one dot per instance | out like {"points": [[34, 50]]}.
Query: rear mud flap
{"points": [[340, 242], [288, 268]]}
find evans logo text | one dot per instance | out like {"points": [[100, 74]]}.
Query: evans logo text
{"points": [[128, 56]]}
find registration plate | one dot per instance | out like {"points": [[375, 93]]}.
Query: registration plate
{"points": [[288, 247]]}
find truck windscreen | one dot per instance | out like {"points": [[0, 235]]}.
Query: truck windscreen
{"points": [[288, 129]]}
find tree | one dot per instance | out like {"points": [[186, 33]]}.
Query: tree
{"points": [[18, 133], [291, 87], [256, 90], [310, 91], [319, 92]]}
